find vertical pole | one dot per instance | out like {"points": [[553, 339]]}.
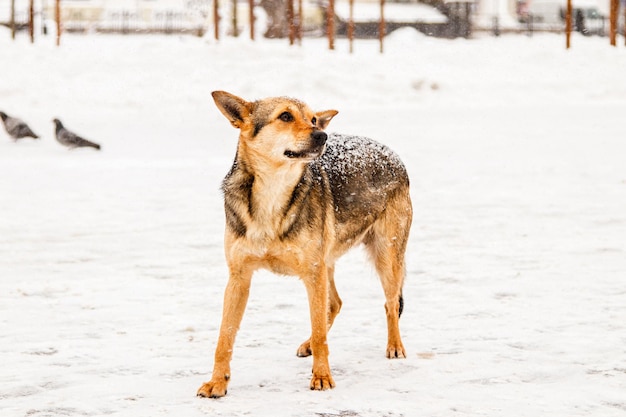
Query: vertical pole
{"points": [[31, 20], [252, 18], [568, 24], [330, 24], [290, 22], [468, 21], [57, 16], [381, 25], [13, 19], [235, 28], [351, 25], [613, 22], [216, 19], [300, 26]]}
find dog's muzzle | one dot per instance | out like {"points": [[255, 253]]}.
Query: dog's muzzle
{"points": [[319, 138], [318, 145]]}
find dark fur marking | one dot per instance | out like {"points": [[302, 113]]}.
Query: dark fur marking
{"points": [[299, 192], [234, 222], [237, 189], [258, 125], [233, 111], [247, 189], [304, 212], [297, 225], [261, 116], [401, 301]]}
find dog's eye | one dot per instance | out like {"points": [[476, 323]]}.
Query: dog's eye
{"points": [[286, 117], [314, 121]]}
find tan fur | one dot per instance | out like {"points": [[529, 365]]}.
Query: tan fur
{"points": [[285, 214]]}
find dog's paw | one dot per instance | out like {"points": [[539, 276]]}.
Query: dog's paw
{"points": [[396, 352], [212, 389], [322, 383], [305, 349]]}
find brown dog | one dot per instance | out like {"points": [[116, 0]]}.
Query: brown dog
{"points": [[296, 199]]}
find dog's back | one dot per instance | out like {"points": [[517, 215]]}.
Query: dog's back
{"points": [[364, 176]]}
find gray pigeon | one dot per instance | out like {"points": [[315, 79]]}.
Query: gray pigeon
{"points": [[16, 128], [71, 139]]}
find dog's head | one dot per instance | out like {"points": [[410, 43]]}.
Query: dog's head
{"points": [[277, 129]]}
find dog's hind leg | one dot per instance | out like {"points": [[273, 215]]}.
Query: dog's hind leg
{"points": [[334, 307], [235, 300], [386, 243]]}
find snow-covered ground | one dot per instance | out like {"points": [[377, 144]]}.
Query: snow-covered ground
{"points": [[111, 262]]}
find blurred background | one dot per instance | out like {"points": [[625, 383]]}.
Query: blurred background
{"points": [[272, 18]]}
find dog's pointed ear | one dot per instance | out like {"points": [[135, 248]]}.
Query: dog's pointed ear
{"points": [[324, 117], [234, 108]]}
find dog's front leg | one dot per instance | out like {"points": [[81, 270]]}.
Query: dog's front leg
{"points": [[235, 300], [317, 291]]}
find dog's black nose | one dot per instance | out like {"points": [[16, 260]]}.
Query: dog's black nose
{"points": [[319, 138]]}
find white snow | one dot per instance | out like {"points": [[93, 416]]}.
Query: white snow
{"points": [[111, 262], [394, 12]]}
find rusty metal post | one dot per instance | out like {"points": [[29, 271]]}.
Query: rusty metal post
{"points": [[290, 22], [235, 23], [13, 19], [381, 25], [57, 17], [330, 24], [216, 19], [614, 11], [31, 20], [351, 25], [568, 24], [300, 25]]}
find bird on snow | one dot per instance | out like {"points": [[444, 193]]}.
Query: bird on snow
{"points": [[71, 139], [16, 128]]}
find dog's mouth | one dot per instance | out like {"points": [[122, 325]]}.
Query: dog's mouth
{"points": [[305, 154]]}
